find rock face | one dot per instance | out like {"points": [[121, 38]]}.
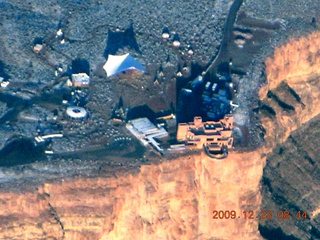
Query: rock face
{"points": [[172, 200], [291, 182], [291, 96], [291, 176]]}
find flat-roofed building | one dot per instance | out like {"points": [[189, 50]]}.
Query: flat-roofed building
{"points": [[214, 137], [146, 131], [80, 80]]}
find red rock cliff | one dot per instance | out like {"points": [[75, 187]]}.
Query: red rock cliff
{"points": [[293, 75], [172, 200]]}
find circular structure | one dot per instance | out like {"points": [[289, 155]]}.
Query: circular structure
{"points": [[77, 112]]}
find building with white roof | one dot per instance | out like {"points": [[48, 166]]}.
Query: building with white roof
{"points": [[80, 80]]}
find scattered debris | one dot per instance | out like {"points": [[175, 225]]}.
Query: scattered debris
{"points": [[190, 50], [165, 33], [176, 40], [40, 139], [176, 148], [4, 83], [59, 34], [179, 74], [69, 83], [240, 42], [176, 43], [48, 152]]}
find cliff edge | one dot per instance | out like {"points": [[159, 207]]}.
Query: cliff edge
{"points": [[171, 200], [290, 103], [291, 96]]}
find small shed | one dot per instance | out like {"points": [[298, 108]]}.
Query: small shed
{"points": [[37, 48], [80, 80]]}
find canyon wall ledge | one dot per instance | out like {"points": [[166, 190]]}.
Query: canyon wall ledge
{"points": [[295, 65]]}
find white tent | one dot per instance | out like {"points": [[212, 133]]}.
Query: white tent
{"points": [[116, 64]]}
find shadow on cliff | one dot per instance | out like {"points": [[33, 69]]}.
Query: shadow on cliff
{"points": [[20, 151], [275, 233], [2, 71], [80, 65]]}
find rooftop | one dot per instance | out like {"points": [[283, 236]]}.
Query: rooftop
{"points": [[80, 79], [212, 135], [146, 131]]}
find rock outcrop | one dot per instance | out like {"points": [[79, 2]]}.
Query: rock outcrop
{"points": [[292, 94], [290, 103]]}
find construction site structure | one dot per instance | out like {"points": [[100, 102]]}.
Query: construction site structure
{"points": [[214, 137], [144, 130]]}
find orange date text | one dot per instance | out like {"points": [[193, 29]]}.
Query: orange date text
{"points": [[261, 214]]}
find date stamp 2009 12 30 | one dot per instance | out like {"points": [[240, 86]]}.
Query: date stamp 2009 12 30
{"points": [[261, 215]]}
